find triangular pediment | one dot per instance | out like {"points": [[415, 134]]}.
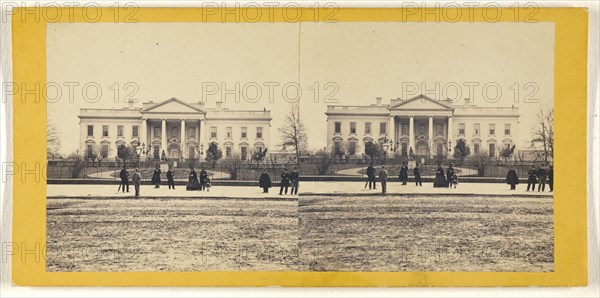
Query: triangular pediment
{"points": [[421, 102], [172, 105]]}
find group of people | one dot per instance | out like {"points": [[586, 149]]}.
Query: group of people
{"points": [[441, 180], [137, 181], [288, 179], [537, 175], [201, 182]]}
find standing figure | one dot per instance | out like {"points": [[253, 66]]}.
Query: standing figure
{"points": [[417, 173], [192, 181], [383, 175], [532, 178], [170, 179], [440, 179], [207, 184], [450, 175], [264, 181], [551, 178], [124, 175], [371, 176], [156, 177], [203, 178], [512, 178], [541, 173], [285, 181], [137, 181], [295, 180], [403, 173]]}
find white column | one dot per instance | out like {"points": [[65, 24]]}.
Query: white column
{"points": [[144, 134], [163, 137], [450, 131], [430, 138], [411, 135], [392, 127], [201, 135], [182, 139]]}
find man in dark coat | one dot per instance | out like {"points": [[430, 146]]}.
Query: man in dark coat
{"points": [[285, 181], [203, 180], [512, 178], [542, 174], [417, 173], [294, 180], [383, 177], [371, 176], [403, 173], [551, 178], [170, 179], [451, 176], [156, 177], [264, 181], [124, 175], [532, 178]]}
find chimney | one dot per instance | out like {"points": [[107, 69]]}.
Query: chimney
{"points": [[201, 104], [219, 105], [467, 101], [131, 104], [378, 101]]}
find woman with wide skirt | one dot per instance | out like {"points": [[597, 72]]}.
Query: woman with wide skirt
{"points": [[440, 179]]}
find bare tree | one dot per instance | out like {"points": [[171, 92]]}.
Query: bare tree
{"points": [[52, 138], [293, 133], [543, 132]]}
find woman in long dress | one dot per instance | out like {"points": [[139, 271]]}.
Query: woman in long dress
{"points": [[156, 177], [193, 183], [440, 179]]}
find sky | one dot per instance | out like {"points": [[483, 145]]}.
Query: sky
{"points": [[348, 63]]}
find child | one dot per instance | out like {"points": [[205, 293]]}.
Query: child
{"points": [[208, 185]]}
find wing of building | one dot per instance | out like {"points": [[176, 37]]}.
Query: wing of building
{"points": [[425, 126], [181, 130]]}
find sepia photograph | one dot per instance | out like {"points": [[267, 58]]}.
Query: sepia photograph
{"points": [[300, 146]]}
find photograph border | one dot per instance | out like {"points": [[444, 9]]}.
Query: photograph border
{"points": [[570, 200]]}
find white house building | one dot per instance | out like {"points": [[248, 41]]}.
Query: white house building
{"points": [[181, 130], [425, 126]]}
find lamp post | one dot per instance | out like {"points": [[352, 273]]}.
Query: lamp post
{"points": [[139, 150]]}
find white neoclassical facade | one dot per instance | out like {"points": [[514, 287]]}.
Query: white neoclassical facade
{"points": [[181, 130], [425, 126]]}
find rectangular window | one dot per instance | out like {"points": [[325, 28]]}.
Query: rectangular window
{"points": [[228, 151], [492, 150], [476, 129], [135, 131], [157, 132], [352, 148], [229, 132], [421, 128], [259, 133], [192, 132], [353, 127], [105, 130], [404, 129], [440, 129], [492, 129], [244, 153], [213, 132], [90, 150], [104, 152], [368, 128], [244, 133], [90, 130], [192, 152], [338, 127], [507, 129], [461, 129], [120, 131], [337, 147], [476, 148], [174, 132], [404, 150], [383, 128]]}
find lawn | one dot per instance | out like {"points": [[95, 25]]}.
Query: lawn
{"points": [[416, 233], [313, 233]]}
